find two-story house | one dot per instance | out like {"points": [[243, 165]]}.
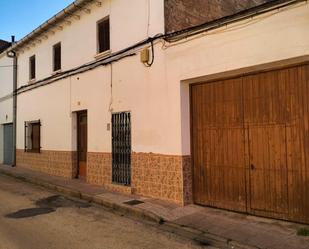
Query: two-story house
{"points": [[188, 101]]}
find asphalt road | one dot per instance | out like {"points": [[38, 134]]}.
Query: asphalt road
{"points": [[34, 218]]}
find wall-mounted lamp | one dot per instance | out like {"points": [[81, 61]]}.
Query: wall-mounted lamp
{"points": [[11, 54]]}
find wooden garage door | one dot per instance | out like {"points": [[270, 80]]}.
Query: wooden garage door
{"points": [[250, 143]]}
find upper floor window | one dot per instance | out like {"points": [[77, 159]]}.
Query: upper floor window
{"points": [[57, 57], [103, 31], [32, 67]]}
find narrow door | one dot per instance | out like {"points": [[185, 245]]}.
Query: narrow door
{"points": [[121, 148], [82, 144], [268, 169], [8, 144]]}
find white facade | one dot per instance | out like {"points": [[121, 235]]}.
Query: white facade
{"points": [[158, 97]]}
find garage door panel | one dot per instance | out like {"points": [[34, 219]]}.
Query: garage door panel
{"points": [[195, 119], [305, 183], [297, 144], [266, 116], [268, 186], [225, 173], [222, 103], [198, 170], [222, 170], [219, 173], [294, 161], [262, 96]]}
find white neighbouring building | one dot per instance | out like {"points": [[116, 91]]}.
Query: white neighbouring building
{"points": [[190, 123], [6, 105]]}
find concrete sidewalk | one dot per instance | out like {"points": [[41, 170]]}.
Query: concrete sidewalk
{"points": [[207, 226]]}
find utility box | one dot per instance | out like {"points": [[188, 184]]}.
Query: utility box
{"points": [[145, 55]]}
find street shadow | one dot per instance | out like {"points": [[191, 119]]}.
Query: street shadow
{"points": [[29, 212], [47, 205], [58, 201]]}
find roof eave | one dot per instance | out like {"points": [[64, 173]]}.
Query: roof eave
{"points": [[60, 16]]}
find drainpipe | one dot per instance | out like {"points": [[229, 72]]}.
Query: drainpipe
{"points": [[12, 54]]}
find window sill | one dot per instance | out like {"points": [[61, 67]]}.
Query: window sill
{"points": [[32, 81], [56, 72], [102, 54], [33, 151]]}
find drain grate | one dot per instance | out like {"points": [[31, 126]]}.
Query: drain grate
{"points": [[133, 202]]}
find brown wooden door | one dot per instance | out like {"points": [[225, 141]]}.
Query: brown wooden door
{"points": [[82, 144], [218, 145]]}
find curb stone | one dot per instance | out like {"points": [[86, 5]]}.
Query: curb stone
{"points": [[201, 237]]}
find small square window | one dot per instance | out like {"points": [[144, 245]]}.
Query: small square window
{"points": [[33, 136], [103, 35], [57, 57], [32, 67]]}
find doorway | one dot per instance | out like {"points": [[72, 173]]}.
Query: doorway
{"points": [[121, 148], [8, 144], [82, 142]]}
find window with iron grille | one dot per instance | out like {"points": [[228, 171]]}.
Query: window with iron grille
{"points": [[103, 35], [32, 67], [121, 148], [33, 136], [57, 56]]}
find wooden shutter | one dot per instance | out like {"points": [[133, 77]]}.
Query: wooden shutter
{"points": [[36, 137], [104, 35], [32, 67], [57, 57], [33, 136], [26, 136]]}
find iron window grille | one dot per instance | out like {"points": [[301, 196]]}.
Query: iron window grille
{"points": [[33, 136], [121, 148]]}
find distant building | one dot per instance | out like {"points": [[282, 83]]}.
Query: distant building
{"points": [[6, 105], [4, 45]]}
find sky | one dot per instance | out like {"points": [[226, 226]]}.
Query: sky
{"points": [[20, 17]]}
